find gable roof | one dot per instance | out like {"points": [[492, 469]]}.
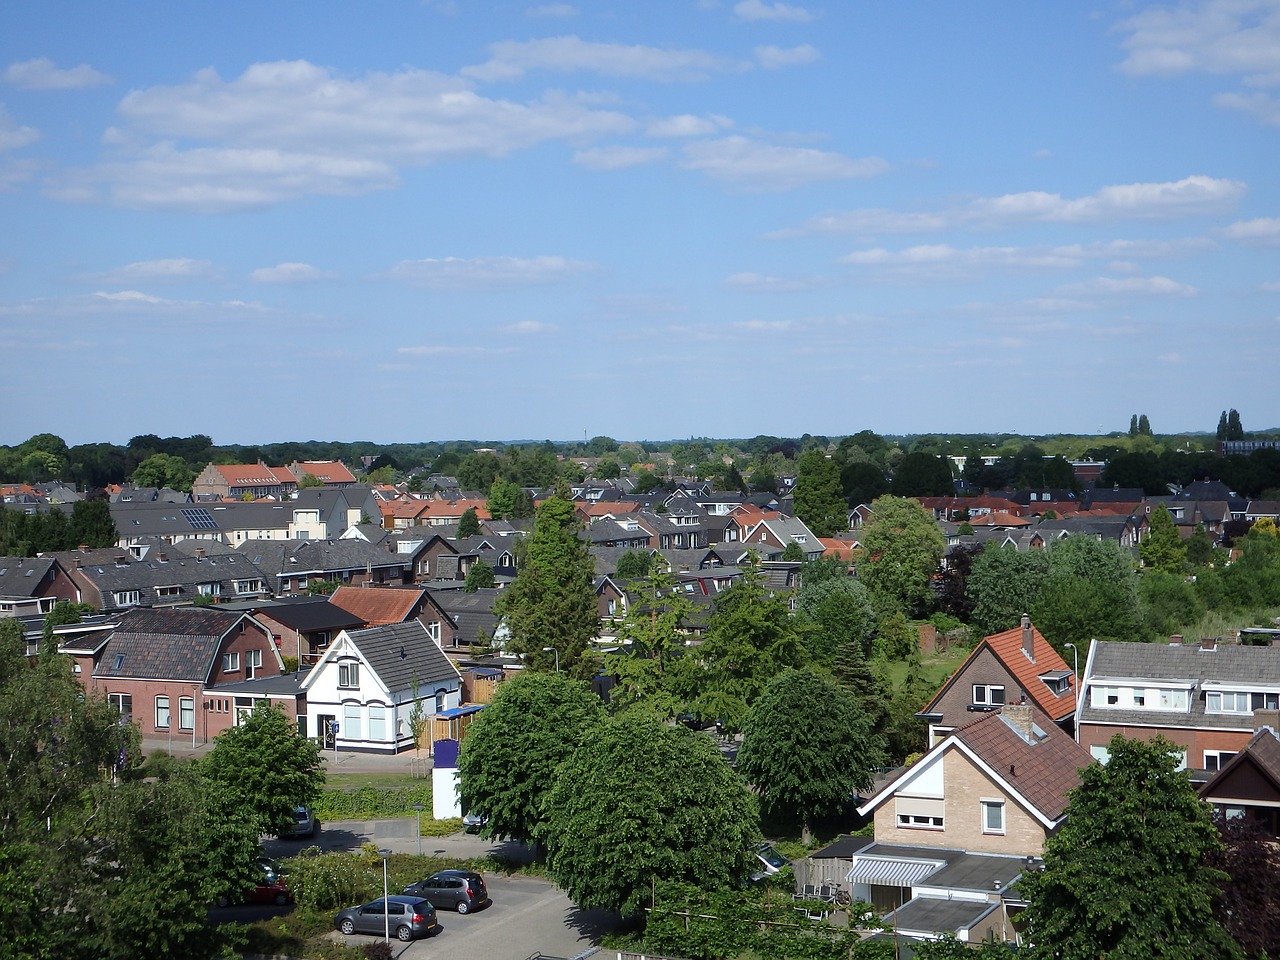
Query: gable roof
{"points": [[166, 644], [313, 613], [400, 652], [23, 576], [378, 605], [1262, 753], [1007, 647]]}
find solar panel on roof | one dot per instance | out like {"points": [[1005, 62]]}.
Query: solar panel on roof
{"points": [[199, 518]]}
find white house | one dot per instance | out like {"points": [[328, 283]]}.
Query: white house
{"points": [[364, 684]]}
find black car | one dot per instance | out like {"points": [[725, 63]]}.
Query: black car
{"points": [[404, 917], [461, 890]]}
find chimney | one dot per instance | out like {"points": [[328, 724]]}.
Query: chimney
{"points": [[1028, 639], [1019, 717], [1175, 639], [1267, 720], [1209, 643]]}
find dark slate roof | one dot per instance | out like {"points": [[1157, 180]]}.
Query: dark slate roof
{"points": [[842, 847], [22, 576], [312, 613], [930, 915], [472, 613], [1261, 752], [1183, 662], [166, 644], [292, 558], [400, 651], [123, 573]]}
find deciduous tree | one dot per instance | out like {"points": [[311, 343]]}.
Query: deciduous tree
{"points": [[640, 801], [468, 523], [1126, 875], [904, 546], [1162, 549], [508, 760], [818, 494], [807, 747]]}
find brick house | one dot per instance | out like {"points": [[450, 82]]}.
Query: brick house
{"points": [[1013, 666], [167, 669], [32, 585], [1204, 697], [302, 627]]}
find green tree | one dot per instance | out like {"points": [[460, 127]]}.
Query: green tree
{"points": [[91, 525], [1090, 591], [750, 638], [552, 601], [836, 614], [1126, 875], [479, 577], [267, 767], [638, 802], [1162, 549], [819, 499], [647, 665], [804, 762], [1168, 603], [1002, 585], [307, 481], [904, 547], [164, 470], [923, 475], [634, 564], [508, 760], [793, 553], [468, 523]]}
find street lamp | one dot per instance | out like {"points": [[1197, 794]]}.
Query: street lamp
{"points": [[556, 652], [1075, 666], [386, 907], [418, 807], [1075, 661]]}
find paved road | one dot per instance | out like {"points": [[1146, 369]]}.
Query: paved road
{"points": [[527, 915]]}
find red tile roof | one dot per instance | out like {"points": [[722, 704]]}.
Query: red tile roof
{"points": [[253, 474], [330, 471], [1007, 648], [377, 606]]}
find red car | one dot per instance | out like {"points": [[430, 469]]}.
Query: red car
{"points": [[270, 888]]}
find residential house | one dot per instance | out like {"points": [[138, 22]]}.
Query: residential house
{"points": [[1013, 666], [165, 575], [475, 624], [168, 669], [332, 473], [302, 627], [222, 481], [32, 585], [363, 691], [291, 566], [1248, 784], [1204, 697], [778, 532]]}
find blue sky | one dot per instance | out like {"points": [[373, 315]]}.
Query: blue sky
{"points": [[413, 221]]}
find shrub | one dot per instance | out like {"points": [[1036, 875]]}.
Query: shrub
{"points": [[367, 803]]}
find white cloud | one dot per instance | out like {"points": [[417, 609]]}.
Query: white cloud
{"points": [[1264, 230], [528, 327], [511, 59], [687, 125], [1152, 286], [1190, 196], [553, 10], [130, 296], [759, 10], [1263, 107], [1225, 37], [43, 74], [12, 136], [772, 58], [763, 283], [172, 270], [285, 130], [937, 254], [482, 272], [618, 158], [290, 273], [758, 166]]}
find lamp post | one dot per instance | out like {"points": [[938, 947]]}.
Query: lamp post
{"points": [[386, 907], [1075, 668], [418, 809], [556, 652]]}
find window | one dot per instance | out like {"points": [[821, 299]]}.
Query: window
{"points": [[1226, 701], [168, 591], [919, 822], [126, 598], [244, 707], [993, 816], [122, 702], [919, 813], [254, 658], [207, 589], [988, 695], [162, 712], [231, 662], [1101, 754], [1216, 759], [377, 721], [351, 721], [440, 695], [186, 713], [248, 586], [433, 631], [348, 675], [1265, 701]]}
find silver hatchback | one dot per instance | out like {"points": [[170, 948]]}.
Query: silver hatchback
{"points": [[405, 918]]}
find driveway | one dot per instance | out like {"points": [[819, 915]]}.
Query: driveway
{"points": [[527, 916]]}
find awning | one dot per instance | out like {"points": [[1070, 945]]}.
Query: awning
{"points": [[891, 871]]}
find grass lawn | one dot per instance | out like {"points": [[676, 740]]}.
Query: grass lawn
{"points": [[936, 667], [379, 781]]}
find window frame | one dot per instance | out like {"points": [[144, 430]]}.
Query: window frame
{"points": [[987, 690], [186, 713], [349, 675], [163, 710], [987, 807], [231, 661]]}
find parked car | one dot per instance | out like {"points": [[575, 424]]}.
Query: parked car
{"points": [[407, 918], [304, 824], [271, 887], [461, 890], [472, 822], [768, 861]]}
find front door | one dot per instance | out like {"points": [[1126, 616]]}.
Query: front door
{"points": [[326, 729]]}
